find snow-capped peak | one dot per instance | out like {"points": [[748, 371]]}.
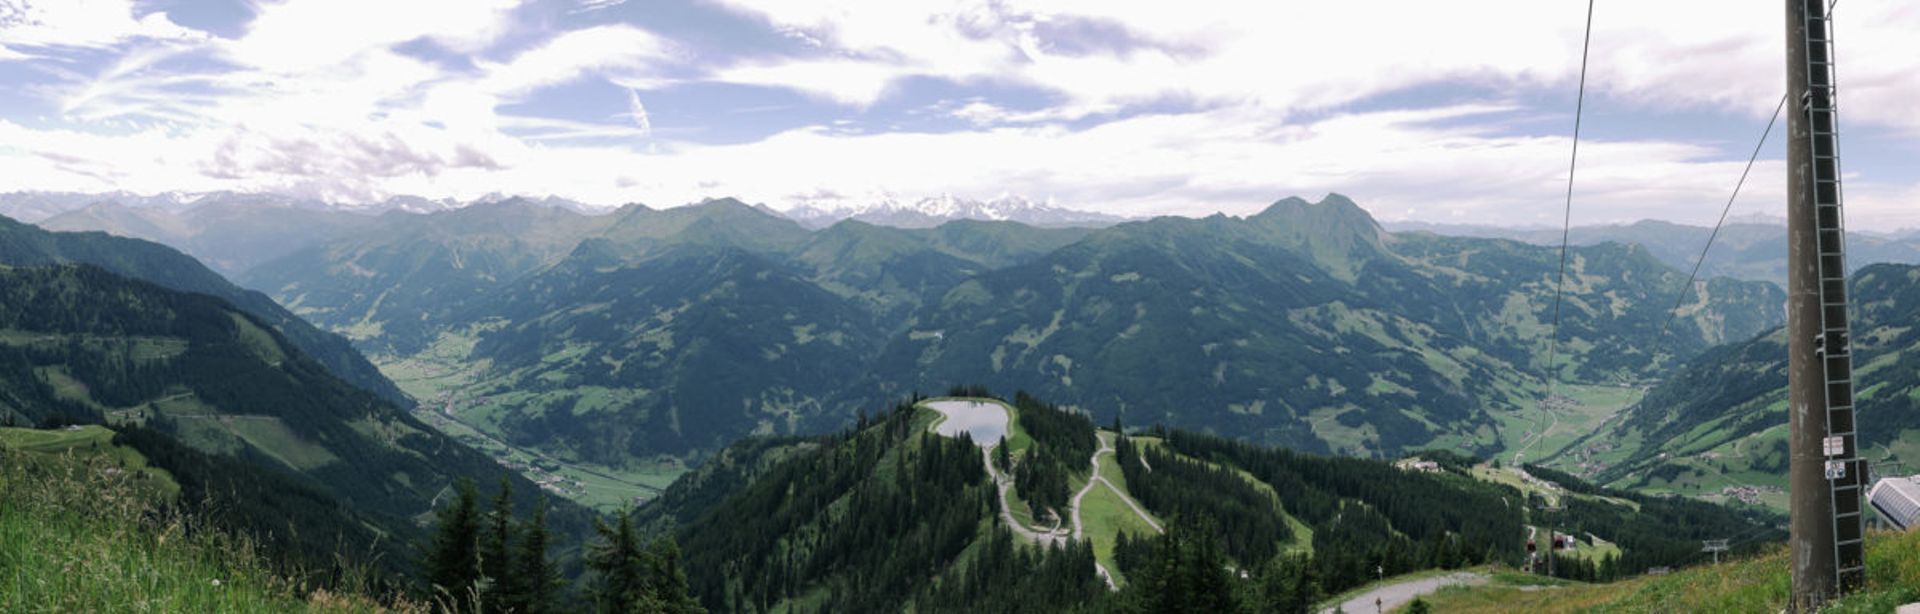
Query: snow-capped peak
{"points": [[887, 209]]}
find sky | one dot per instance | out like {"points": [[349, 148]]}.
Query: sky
{"points": [[1418, 110]]}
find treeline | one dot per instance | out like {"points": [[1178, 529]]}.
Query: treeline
{"points": [[102, 331], [1063, 441], [1069, 433], [883, 517], [1575, 567], [865, 518], [1007, 574], [1187, 570], [28, 399], [130, 344], [889, 517], [1370, 518], [1040, 477], [1665, 531], [494, 561], [1247, 518]]}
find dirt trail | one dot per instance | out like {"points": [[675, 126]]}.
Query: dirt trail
{"points": [[1079, 528], [1106, 447], [1003, 485]]}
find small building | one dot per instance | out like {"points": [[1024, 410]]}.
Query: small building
{"points": [[1898, 501], [1417, 464]]}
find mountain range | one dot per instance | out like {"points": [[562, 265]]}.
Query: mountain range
{"points": [[646, 332], [1753, 247], [80, 345], [886, 210], [233, 232], [725, 337], [24, 245], [1717, 426]]}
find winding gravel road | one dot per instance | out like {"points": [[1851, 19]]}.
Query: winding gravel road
{"points": [[1003, 485], [1079, 528]]}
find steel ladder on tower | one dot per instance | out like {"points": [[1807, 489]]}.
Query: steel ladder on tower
{"points": [[1845, 472]]}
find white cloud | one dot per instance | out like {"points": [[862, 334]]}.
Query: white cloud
{"points": [[81, 23], [588, 6], [846, 81], [319, 102], [298, 36], [624, 53], [638, 113], [1201, 163], [1708, 54]]}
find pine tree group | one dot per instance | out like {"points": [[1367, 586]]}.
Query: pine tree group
{"points": [[493, 563], [635, 578]]}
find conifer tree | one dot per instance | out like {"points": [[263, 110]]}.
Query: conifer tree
{"points": [[537, 579], [667, 581], [453, 563], [623, 566], [496, 551], [1288, 584]]}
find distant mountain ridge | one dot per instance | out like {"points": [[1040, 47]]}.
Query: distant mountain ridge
{"points": [[85, 345], [884, 210], [235, 232], [34, 207], [1752, 247], [670, 331], [927, 212], [26, 245], [1721, 419]]}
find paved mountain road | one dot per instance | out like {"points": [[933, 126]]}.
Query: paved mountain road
{"points": [[1397, 594]]}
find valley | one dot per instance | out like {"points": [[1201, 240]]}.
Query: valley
{"points": [[976, 307], [602, 356], [597, 377], [445, 384], [629, 344]]}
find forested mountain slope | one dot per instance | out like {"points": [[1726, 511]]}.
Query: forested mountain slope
{"points": [[1306, 324], [1754, 250], [1718, 425], [889, 515], [25, 245], [80, 344]]}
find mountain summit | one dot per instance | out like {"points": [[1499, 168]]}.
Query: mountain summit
{"points": [[932, 211]]}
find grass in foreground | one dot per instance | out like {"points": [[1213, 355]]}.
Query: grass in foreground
{"points": [[79, 534], [1758, 584]]}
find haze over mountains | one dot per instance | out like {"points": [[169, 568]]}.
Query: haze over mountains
{"points": [[674, 331], [718, 340], [1722, 419], [608, 336], [233, 232], [1752, 248], [885, 210], [80, 345], [23, 245]]}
